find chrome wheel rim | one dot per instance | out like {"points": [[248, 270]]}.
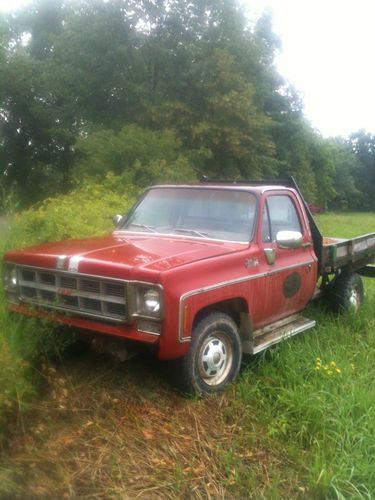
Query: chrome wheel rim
{"points": [[215, 358], [354, 299]]}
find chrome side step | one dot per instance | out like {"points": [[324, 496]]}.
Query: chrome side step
{"points": [[277, 332]]}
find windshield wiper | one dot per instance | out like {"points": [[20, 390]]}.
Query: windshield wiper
{"points": [[149, 228], [191, 231]]}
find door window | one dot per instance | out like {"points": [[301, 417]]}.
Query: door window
{"points": [[279, 214]]}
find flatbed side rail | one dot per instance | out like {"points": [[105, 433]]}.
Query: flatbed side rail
{"points": [[356, 253]]}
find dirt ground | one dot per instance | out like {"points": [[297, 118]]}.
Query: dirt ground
{"points": [[109, 430]]}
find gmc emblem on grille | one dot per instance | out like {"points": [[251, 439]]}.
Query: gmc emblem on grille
{"points": [[64, 292]]}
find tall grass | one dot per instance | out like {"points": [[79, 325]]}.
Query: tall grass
{"points": [[19, 347], [315, 396], [19, 340]]}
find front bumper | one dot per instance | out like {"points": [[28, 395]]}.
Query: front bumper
{"points": [[139, 331]]}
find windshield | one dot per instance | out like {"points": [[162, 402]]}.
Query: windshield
{"points": [[205, 213]]}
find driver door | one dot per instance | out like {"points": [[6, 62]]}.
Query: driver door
{"points": [[291, 272]]}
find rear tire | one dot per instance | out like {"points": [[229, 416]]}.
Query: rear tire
{"points": [[346, 293], [214, 357]]}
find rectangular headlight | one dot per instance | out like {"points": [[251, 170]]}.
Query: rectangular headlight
{"points": [[10, 277], [148, 301], [10, 283]]}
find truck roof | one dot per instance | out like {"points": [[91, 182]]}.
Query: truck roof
{"points": [[231, 186]]}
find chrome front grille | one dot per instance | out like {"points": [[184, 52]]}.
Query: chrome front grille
{"points": [[68, 282], [88, 296]]}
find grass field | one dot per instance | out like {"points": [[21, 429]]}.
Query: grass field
{"points": [[346, 225], [299, 422]]}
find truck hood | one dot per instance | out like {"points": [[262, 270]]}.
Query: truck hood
{"points": [[130, 252]]}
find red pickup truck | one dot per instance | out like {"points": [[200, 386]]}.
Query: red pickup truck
{"points": [[202, 273]]}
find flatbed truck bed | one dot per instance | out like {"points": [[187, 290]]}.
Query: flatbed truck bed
{"points": [[355, 253]]}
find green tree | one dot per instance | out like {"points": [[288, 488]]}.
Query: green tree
{"points": [[363, 146], [323, 166], [77, 77], [36, 136], [140, 156], [347, 166]]}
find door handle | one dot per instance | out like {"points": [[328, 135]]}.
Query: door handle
{"points": [[270, 255], [308, 268]]}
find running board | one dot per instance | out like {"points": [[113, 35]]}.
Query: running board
{"points": [[277, 332]]}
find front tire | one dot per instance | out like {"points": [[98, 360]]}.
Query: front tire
{"points": [[214, 357], [346, 293]]}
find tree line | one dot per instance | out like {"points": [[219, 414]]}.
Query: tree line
{"points": [[155, 90]]}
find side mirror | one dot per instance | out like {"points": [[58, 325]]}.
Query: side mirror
{"points": [[116, 220], [289, 239]]}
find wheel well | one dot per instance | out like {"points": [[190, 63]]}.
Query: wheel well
{"points": [[236, 308]]}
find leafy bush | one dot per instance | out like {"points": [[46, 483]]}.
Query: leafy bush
{"points": [[86, 211]]}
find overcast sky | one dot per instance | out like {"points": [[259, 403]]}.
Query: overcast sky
{"points": [[328, 54]]}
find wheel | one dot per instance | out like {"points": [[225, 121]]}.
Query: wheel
{"points": [[346, 292], [214, 357]]}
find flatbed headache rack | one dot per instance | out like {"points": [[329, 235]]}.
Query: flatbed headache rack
{"points": [[290, 182]]}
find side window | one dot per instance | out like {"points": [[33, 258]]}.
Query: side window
{"points": [[280, 214]]}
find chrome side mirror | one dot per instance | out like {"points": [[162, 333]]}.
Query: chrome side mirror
{"points": [[289, 239], [116, 220]]}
